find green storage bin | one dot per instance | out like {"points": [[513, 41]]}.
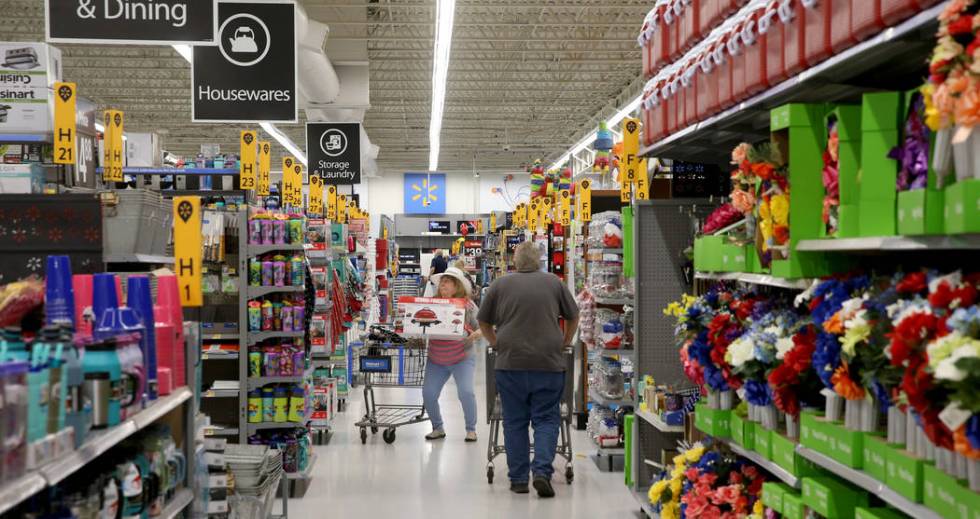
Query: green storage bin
{"points": [[772, 494], [875, 456], [713, 422], [831, 498], [793, 507], [862, 512], [904, 473], [762, 443]]}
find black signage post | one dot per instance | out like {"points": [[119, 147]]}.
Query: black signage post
{"points": [[334, 151], [250, 75], [135, 22]]}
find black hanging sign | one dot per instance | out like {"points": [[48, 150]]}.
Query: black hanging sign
{"points": [[334, 151], [135, 22], [250, 75]]}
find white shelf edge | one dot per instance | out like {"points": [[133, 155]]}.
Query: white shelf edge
{"points": [[770, 466], [657, 423], [892, 243], [643, 499], [867, 482], [138, 258], [181, 499], [756, 279], [161, 407], [15, 492]]}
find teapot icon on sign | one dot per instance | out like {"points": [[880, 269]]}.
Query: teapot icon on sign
{"points": [[244, 40]]}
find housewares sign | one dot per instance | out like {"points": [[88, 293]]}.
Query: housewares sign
{"points": [[250, 75], [139, 22]]}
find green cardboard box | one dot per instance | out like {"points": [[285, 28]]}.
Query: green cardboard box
{"points": [[743, 431], [878, 217], [904, 473], [784, 454], [875, 456], [862, 512], [848, 120], [793, 507], [947, 496], [772, 495], [732, 257], [832, 499], [962, 207], [752, 261], [880, 131], [762, 443], [714, 422], [920, 211], [882, 111], [813, 432], [848, 225], [707, 253], [846, 446]]}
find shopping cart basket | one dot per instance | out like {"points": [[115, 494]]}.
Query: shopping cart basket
{"points": [[495, 416], [384, 364]]}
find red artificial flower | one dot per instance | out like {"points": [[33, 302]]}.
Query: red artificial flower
{"points": [[961, 25], [937, 79], [710, 512], [691, 474], [756, 486], [696, 504], [727, 494], [910, 335], [763, 170], [936, 430], [734, 477], [741, 505], [781, 234], [913, 283], [750, 471], [939, 66], [743, 308], [973, 46], [708, 479]]}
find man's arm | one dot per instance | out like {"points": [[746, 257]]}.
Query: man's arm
{"points": [[570, 327], [488, 333]]}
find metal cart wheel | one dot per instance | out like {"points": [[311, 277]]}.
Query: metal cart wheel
{"points": [[363, 436], [389, 435], [569, 474], [490, 474], [374, 430]]}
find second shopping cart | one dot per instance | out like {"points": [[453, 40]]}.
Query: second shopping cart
{"points": [[388, 364]]}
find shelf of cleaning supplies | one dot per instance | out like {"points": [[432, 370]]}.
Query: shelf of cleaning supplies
{"points": [[658, 422], [305, 474], [770, 466], [254, 292], [256, 337], [842, 75], [872, 485], [15, 492], [756, 279], [893, 243], [99, 442], [177, 505], [255, 250]]}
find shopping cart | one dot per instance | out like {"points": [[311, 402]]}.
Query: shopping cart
{"points": [[386, 364], [495, 416]]}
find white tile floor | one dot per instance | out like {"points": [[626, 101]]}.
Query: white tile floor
{"points": [[413, 478]]}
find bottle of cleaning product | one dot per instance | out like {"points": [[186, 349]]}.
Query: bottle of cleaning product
{"points": [[255, 406], [268, 404], [297, 410], [281, 404]]}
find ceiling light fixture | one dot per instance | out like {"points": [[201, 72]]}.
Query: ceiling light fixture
{"points": [[623, 113], [187, 52], [445, 12]]}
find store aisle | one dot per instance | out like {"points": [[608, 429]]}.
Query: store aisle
{"points": [[413, 478]]}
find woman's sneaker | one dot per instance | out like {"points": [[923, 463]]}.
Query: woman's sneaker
{"points": [[437, 434], [470, 436]]}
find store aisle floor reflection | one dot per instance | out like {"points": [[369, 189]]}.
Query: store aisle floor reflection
{"points": [[413, 478]]}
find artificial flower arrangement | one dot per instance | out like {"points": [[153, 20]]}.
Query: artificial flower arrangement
{"points": [[761, 169], [912, 153], [709, 483], [830, 175]]}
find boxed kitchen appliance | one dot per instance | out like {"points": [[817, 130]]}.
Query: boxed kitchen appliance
{"points": [[430, 318]]}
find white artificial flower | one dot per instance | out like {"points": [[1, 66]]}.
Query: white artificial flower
{"points": [[850, 306], [947, 370], [954, 279], [783, 345], [774, 330], [740, 351], [859, 319]]}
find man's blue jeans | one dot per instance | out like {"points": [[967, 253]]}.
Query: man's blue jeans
{"points": [[530, 398]]}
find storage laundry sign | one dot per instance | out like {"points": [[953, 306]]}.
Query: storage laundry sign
{"points": [[140, 22], [334, 152], [250, 75]]}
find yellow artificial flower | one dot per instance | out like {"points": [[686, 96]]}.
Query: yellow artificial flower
{"points": [[679, 460], [694, 454], [933, 119], [675, 488], [656, 490], [759, 509], [854, 335], [780, 209], [764, 213], [670, 511]]}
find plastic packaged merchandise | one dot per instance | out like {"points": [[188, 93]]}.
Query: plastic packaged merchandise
{"points": [[294, 444]]}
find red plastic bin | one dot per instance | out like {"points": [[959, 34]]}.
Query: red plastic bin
{"points": [[708, 16], [818, 18], [894, 11], [794, 37], [754, 46], [690, 87], [723, 74], [691, 23], [736, 55], [771, 26], [707, 88], [866, 19]]}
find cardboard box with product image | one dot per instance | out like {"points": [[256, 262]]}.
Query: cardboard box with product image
{"points": [[429, 318]]}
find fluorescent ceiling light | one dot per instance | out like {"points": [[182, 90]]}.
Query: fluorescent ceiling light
{"points": [[187, 52], [445, 12], [618, 117], [285, 141]]}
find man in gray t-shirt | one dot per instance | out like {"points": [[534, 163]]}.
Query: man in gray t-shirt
{"points": [[519, 317]]}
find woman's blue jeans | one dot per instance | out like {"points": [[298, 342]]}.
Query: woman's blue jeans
{"points": [[436, 377]]}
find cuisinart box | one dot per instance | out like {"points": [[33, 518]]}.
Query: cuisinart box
{"points": [[27, 70], [429, 318]]}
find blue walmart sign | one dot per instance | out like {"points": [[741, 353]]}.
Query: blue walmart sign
{"points": [[425, 193]]}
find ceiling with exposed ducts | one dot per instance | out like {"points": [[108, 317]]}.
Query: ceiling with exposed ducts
{"points": [[527, 79]]}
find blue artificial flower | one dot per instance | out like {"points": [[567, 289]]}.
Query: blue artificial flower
{"points": [[881, 394], [966, 321], [826, 357], [973, 431], [714, 378], [757, 393]]}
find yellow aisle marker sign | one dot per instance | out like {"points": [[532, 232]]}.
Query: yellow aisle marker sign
{"points": [[493, 221], [515, 218], [342, 209], [265, 164], [630, 163], [332, 203], [187, 249], [565, 202], [112, 165], [298, 184], [532, 216], [585, 200], [642, 182], [624, 188], [248, 178], [316, 195], [546, 212], [287, 180], [353, 211], [64, 123]]}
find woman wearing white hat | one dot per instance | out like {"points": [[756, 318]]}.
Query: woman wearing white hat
{"points": [[453, 358]]}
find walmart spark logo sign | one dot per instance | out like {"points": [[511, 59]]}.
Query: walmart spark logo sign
{"points": [[425, 193]]}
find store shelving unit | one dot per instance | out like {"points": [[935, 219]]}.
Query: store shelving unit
{"points": [[180, 501], [893, 243], [657, 422], [756, 279]]}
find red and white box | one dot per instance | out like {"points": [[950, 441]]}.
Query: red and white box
{"points": [[770, 25], [755, 46], [795, 33], [431, 318]]}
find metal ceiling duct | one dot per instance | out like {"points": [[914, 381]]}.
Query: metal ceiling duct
{"points": [[318, 81]]}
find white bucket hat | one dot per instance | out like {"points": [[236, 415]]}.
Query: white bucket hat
{"points": [[457, 274]]}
